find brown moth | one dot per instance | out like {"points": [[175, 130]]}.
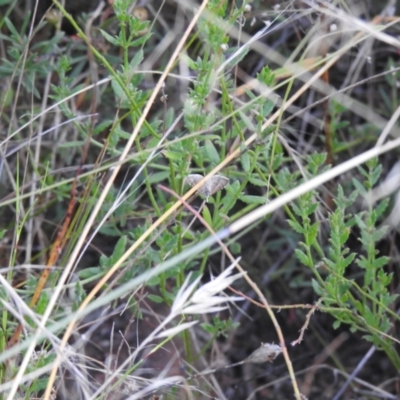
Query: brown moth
{"points": [[211, 186]]}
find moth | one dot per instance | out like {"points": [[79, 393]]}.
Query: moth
{"points": [[211, 186]]}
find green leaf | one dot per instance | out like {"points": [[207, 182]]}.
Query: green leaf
{"points": [[348, 260], [11, 28], [267, 107], [390, 299], [140, 41], [113, 40], [302, 257], [173, 155], [380, 262], [89, 272], [155, 298], [42, 302], [157, 177], [207, 215], [295, 226], [376, 173], [169, 117], [379, 234], [119, 250], [344, 298], [257, 182], [249, 124], [253, 199], [212, 152], [359, 306], [122, 134], [317, 287], [381, 207], [311, 208], [71, 144], [312, 233], [370, 317], [118, 91], [329, 263], [137, 59], [344, 235], [266, 76], [154, 281], [245, 161], [102, 126], [236, 58], [336, 324], [235, 248], [297, 210], [208, 327], [361, 189], [38, 384], [361, 224]]}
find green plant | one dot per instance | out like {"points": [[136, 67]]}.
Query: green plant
{"points": [[108, 126], [366, 307]]}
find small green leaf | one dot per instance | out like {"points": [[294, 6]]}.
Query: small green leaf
{"points": [[155, 298], [137, 59], [249, 124], [208, 327], [158, 177], [245, 161], [102, 126], [118, 91], [302, 257], [266, 76], [370, 317], [359, 306], [337, 324], [169, 117], [379, 234], [257, 182], [38, 384], [253, 199], [119, 250], [311, 208], [212, 152], [140, 40], [113, 40], [344, 297], [235, 248], [207, 215], [43, 302], [89, 272], [236, 58], [71, 144], [295, 226], [381, 207], [361, 189], [317, 287], [153, 281], [380, 262], [173, 155], [312, 233], [122, 134]]}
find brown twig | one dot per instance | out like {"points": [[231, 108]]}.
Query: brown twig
{"points": [[305, 326]]}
